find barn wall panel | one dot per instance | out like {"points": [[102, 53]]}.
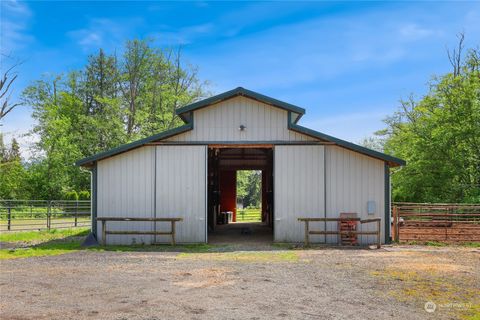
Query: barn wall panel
{"points": [[181, 191], [353, 179], [298, 188], [125, 189], [220, 122]]}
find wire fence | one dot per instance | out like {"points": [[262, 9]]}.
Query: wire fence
{"points": [[26, 215]]}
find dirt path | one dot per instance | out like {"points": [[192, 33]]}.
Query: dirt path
{"points": [[391, 283]]}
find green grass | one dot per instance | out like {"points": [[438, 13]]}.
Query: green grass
{"points": [[244, 256], [56, 242], [249, 215], [42, 236], [442, 244], [36, 224], [46, 249]]}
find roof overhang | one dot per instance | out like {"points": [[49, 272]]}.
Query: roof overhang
{"points": [[89, 161], [392, 161], [294, 114]]}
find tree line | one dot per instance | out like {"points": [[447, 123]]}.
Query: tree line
{"points": [[439, 136], [114, 99]]}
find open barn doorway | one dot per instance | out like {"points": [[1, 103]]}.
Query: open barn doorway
{"points": [[240, 193]]}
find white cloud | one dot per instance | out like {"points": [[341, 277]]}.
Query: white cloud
{"points": [[413, 31], [186, 35], [14, 21], [104, 33], [16, 125]]}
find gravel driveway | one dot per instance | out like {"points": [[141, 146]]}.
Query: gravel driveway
{"points": [[292, 284]]}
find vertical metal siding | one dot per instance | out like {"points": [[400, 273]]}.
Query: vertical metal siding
{"points": [[181, 191], [299, 190], [353, 179], [125, 189], [220, 122]]}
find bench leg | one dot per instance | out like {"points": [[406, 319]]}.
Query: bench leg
{"points": [[307, 234], [104, 232], [173, 232]]}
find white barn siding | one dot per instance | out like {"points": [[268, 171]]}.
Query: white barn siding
{"points": [[125, 189], [220, 122], [353, 179], [309, 179], [181, 191], [298, 190]]}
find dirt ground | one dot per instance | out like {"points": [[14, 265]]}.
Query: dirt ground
{"points": [[323, 283]]}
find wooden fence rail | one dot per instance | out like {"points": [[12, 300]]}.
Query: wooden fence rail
{"points": [[308, 232], [436, 222], [171, 233]]}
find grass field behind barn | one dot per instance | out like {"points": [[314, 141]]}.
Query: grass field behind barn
{"points": [[249, 215]]}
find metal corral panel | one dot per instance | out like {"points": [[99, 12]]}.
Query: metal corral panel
{"points": [[181, 190], [299, 189], [221, 122], [125, 189], [352, 180]]}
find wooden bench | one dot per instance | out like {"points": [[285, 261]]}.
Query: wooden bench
{"points": [[172, 221], [308, 232]]}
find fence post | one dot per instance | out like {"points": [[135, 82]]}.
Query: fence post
{"points": [[49, 208], [395, 224], [76, 212], [9, 218]]}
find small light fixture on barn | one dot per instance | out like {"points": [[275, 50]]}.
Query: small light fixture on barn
{"points": [[242, 127]]}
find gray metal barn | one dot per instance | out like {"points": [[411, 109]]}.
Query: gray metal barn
{"points": [[176, 173]]}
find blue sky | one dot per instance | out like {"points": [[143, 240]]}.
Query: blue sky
{"points": [[347, 63]]}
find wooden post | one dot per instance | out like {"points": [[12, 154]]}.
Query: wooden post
{"points": [[9, 217], [378, 234], [104, 232], [395, 224], [307, 234], [173, 232]]}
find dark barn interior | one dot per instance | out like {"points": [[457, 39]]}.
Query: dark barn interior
{"points": [[223, 163]]}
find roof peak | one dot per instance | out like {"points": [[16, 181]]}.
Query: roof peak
{"points": [[240, 91]]}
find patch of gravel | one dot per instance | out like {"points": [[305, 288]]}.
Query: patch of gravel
{"points": [[324, 283]]}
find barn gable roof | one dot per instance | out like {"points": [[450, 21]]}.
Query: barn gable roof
{"points": [[184, 111], [294, 114]]}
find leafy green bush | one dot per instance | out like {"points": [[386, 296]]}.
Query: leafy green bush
{"points": [[71, 195], [84, 195]]}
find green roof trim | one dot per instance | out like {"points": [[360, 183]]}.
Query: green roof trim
{"points": [[294, 114], [348, 145], [135, 144], [241, 92]]}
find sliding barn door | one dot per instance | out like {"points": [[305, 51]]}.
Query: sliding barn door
{"points": [[299, 180], [180, 191]]}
